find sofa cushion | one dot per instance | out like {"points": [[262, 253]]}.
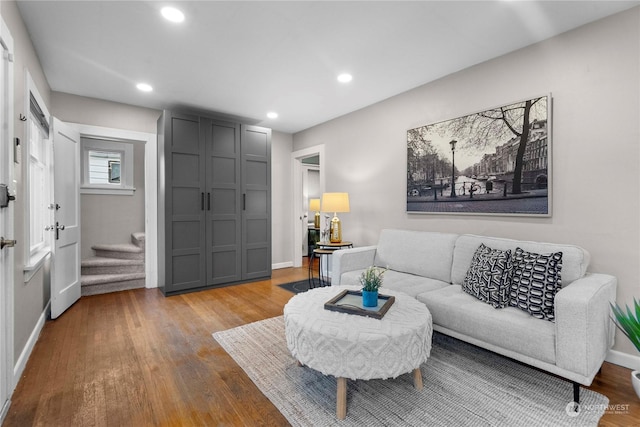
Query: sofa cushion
{"points": [[420, 253], [535, 282], [409, 284], [489, 276], [508, 328], [575, 260]]}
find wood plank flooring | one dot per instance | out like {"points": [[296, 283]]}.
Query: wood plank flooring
{"points": [[136, 358]]}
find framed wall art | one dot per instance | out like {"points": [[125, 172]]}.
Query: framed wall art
{"points": [[493, 162]]}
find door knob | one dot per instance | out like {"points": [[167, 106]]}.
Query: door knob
{"points": [[7, 243], [56, 228]]}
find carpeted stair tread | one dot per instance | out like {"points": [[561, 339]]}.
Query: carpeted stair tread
{"points": [[104, 265], [98, 279], [103, 262], [112, 287], [138, 239], [138, 236], [118, 247]]}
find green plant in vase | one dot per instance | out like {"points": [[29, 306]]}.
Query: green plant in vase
{"points": [[628, 321], [371, 280]]}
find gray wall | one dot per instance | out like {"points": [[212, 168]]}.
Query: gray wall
{"points": [[592, 73], [281, 198], [107, 219], [96, 112], [30, 298]]}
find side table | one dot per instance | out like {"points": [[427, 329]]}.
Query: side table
{"points": [[324, 250]]}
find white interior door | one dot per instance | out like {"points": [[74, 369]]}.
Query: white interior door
{"points": [[6, 219], [65, 266]]}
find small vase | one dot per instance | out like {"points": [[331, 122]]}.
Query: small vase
{"points": [[369, 298], [635, 380]]}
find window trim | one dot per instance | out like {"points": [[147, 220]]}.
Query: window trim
{"points": [[125, 148], [34, 259]]}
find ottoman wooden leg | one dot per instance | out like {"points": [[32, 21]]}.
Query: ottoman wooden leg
{"points": [[417, 379], [341, 399]]}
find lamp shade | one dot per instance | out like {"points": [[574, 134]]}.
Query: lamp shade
{"points": [[314, 205], [335, 202]]}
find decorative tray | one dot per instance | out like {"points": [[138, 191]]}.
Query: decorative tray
{"points": [[351, 302]]}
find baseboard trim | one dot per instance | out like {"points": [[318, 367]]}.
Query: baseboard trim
{"points": [[18, 369], [623, 359], [282, 265], [5, 409]]}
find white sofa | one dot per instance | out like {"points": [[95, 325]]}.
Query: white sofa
{"points": [[432, 266]]}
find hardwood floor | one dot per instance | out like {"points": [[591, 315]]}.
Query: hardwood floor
{"points": [[136, 358]]}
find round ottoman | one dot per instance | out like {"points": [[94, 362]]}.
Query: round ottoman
{"points": [[358, 347]]}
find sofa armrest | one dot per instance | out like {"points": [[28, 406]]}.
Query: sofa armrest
{"points": [[344, 260], [584, 330]]}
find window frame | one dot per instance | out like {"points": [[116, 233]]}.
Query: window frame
{"points": [[125, 149], [36, 255]]}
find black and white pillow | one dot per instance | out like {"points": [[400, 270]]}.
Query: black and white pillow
{"points": [[488, 277], [535, 282]]}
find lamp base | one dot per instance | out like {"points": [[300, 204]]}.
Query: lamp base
{"points": [[335, 235], [316, 220]]}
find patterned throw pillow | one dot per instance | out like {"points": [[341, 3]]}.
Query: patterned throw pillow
{"points": [[535, 282], [488, 277]]}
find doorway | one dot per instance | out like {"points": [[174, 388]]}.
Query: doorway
{"points": [[144, 154], [308, 182], [310, 190]]}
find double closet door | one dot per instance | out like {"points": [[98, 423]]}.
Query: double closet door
{"points": [[217, 202]]}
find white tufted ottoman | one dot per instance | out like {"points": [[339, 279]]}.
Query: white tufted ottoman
{"points": [[358, 347]]}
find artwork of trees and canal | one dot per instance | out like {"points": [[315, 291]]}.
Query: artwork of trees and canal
{"points": [[496, 161]]}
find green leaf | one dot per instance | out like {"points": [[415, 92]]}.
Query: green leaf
{"points": [[628, 321]]}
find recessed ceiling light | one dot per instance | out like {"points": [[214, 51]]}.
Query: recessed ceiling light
{"points": [[345, 78], [272, 115], [172, 14], [144, 87]]}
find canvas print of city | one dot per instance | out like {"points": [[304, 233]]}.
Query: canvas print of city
{"points": [[494, 162]]}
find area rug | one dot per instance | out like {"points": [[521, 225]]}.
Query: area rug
{"points": [[463, 386], [299, 286]]}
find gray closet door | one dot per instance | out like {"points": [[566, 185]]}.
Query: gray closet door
{"points": [[256, 191], [184, 203], [223, 201]]}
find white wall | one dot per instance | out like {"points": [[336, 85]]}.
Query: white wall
{"points": [[281, 200], [593, 76]]}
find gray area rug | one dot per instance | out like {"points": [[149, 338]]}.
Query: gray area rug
{"points": [[463, 386]]}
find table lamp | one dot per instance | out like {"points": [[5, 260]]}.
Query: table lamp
{"points": [[314, 206], [335, 202]]}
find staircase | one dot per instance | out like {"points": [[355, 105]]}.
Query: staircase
{"points": [[115, 267]]}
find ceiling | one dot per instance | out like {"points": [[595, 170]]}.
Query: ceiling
{"points": [[244, 58]]}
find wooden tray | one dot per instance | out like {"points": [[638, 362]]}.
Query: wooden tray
{"points": [[351, 302]]}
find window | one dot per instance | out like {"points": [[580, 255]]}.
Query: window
{"points": [[107, 167], [104, 167], [38, 181], [38, 189]]}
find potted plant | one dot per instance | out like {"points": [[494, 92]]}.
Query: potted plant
{"points": [[629, 323], [371, 280]]}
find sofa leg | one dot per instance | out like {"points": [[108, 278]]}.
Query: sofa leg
{"points": [[576, 394]]}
